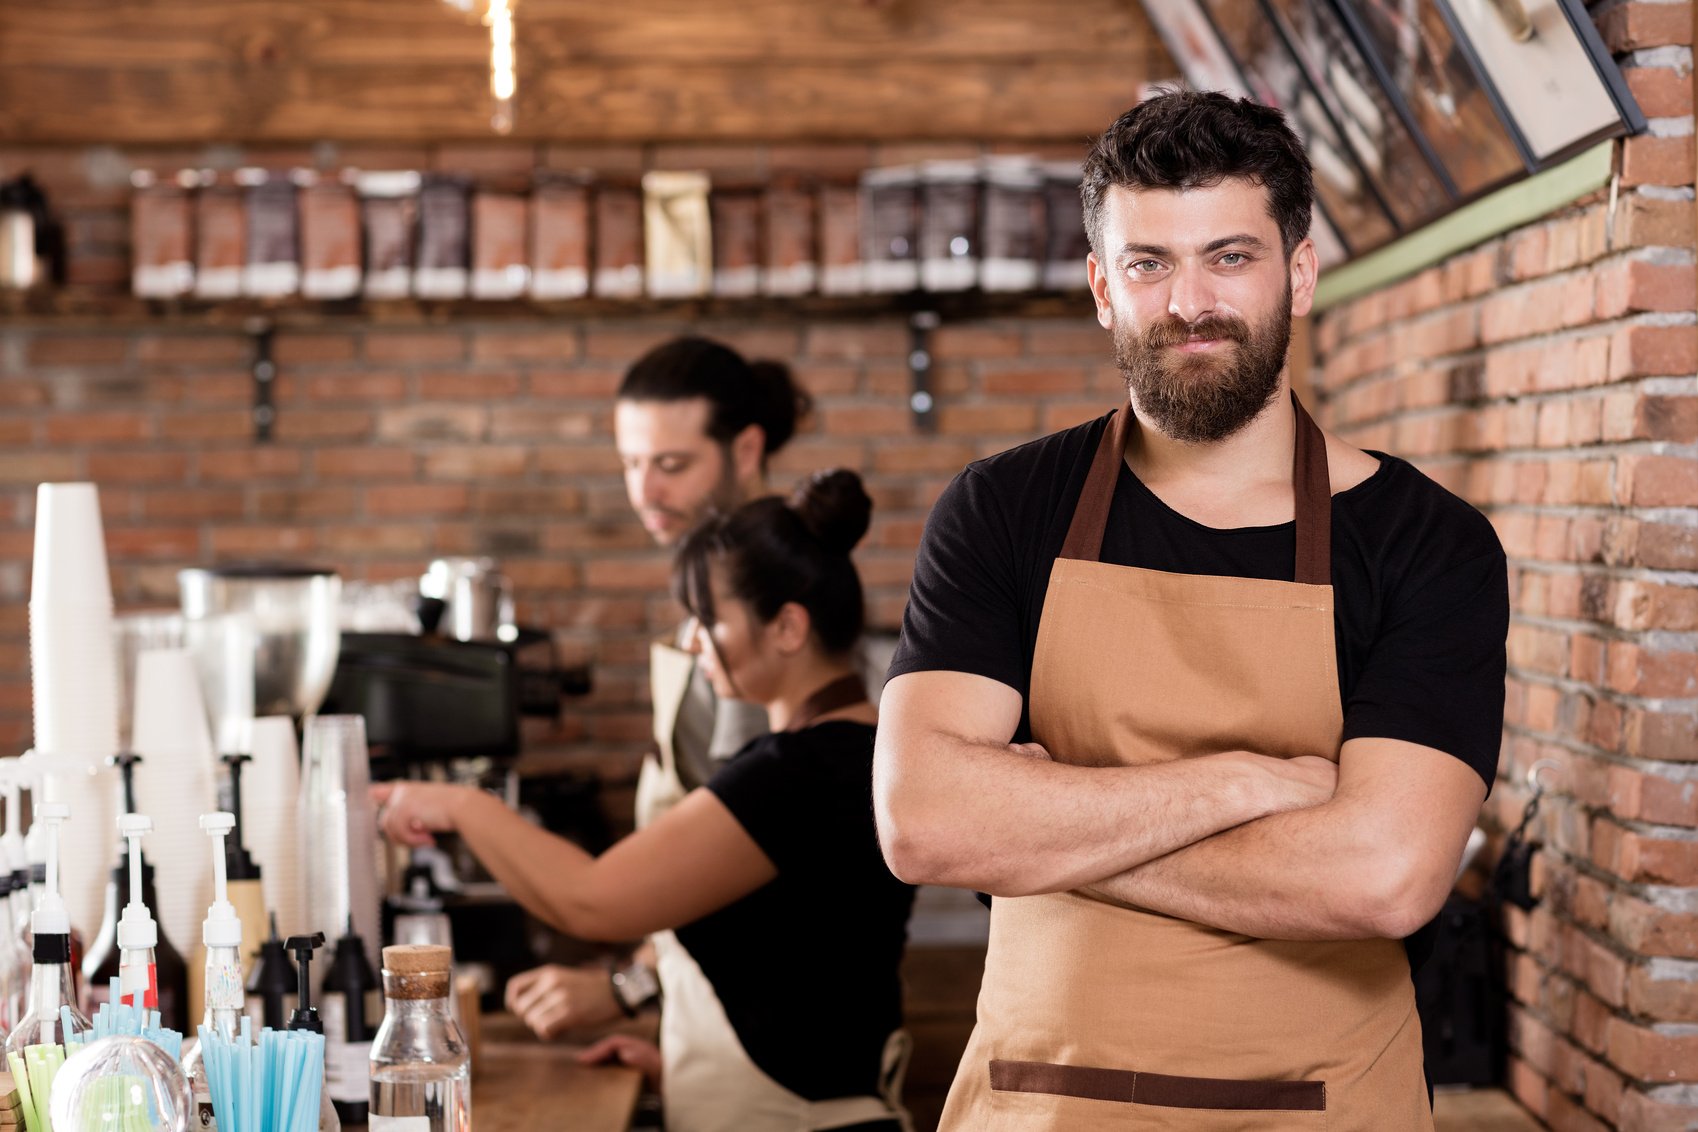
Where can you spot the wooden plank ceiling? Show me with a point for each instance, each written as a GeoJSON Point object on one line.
{"type": "Point", "coordinates": [593, 71]}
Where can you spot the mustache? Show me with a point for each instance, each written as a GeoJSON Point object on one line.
{"type": "Point", "coordinates": [1176, 331]}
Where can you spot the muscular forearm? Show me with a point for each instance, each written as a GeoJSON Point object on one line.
{"type": "Point", "coordinates": [1375, 861]}
{"type": "Point", "coordinates": [984, 817]}
{"type": "Point", "coordinates": [1314, 874]}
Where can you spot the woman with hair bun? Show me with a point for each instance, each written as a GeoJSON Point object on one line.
{"type": "Point", "coordinates": [779, 929]}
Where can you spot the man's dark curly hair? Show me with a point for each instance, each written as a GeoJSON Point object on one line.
{"type": "Point", "coordinates": [1186, 139]}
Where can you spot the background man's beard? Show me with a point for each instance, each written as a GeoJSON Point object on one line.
{"type": "Point", "coordinates": [1203, 398]}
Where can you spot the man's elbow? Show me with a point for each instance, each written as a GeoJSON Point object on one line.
{"type": "Point", "coordinates": [1399, 894]}
{"type": "Point", "coordinates": [911, 852]}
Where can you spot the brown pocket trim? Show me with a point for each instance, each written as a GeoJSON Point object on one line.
{"type": "Point", "coordinates": [1129, 1087]}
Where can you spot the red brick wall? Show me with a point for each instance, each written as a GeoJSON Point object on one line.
{"type": "Point", "coordinates": [1548, 377]}
{"type": "Point", "coordinates": [398, 444]}
{"type": "Point", "coordinates": [404, 433]}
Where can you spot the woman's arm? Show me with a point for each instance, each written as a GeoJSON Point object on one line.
{"type": "Point", "coordinates": [693, 860]}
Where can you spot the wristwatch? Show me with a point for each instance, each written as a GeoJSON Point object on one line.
{"type": "Point", "coordinates": [634, 986]}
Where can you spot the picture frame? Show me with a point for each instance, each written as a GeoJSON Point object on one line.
{"type": "Point", "coordinates": [1409, 108]}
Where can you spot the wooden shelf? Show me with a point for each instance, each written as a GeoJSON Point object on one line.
{"type": "Point", "coordinates": [105, 309]}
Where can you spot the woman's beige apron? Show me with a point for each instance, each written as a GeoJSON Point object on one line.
{"type": "Point", "coordinates": [1097, 1016]}
{"type": "Point", "coordinates": [708, 1081]}
{"type": "Point", "coordinates": [659, 785]}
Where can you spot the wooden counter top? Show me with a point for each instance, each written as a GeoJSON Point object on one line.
{"type": "Point", "coordinates": [523, 1085]}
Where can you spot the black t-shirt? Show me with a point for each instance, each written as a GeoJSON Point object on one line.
{"type": "Point", "coordinates": [1420, 587]}
{"type": "Point", "coordinates": [807, 966]}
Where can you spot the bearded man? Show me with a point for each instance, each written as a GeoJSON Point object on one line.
{"type": "Point", "coordinates": [1204, 697]}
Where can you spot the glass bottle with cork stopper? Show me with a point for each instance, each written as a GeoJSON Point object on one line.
{"type": "Point", "coordinates": [421, 1067]}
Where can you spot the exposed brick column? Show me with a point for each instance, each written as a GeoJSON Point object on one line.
{"type": "Point", "coordinates": [1548, 378]}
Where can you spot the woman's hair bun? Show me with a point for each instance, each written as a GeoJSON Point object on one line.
{"type": "Point", "coordinates": [781, 403]}
{"type": "Point", "coordinates": [834, 507]}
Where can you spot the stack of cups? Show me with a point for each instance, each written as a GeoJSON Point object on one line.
{"type": "Point", "coordinates": [73, 663]}
{"type": "Point", "coordinates": [270, 796]}
{"type": "Point", "coordinates": [176, 782]}
{"type": "Point", "coordinates": [74, 683]}
{"type": "Point", "coordinates": [338, 832]}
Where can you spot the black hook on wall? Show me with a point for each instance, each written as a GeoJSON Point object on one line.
{"type": "Point", "coordinates": [264, 370]}
{"type": "Point", "coordinates": [921, 401]}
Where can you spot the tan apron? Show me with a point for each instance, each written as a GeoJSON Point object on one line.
{"type": "Point", "coordinates": [687, 713]}
{"type": "Point", "coordinates": [659, 786]}
{"type": "Point", "coordinates": [708, 1081]}
{"type": "Point", "coordinates": [1097, 1016]}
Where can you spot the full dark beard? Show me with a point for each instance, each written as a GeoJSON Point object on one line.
{"type": "Point", "coordinates": [1203, 398]}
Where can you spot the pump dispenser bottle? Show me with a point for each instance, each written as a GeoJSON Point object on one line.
{"type": "Point", "coordinates": [105, 955]}
{"type": "Point", "coordinates": [221, 937]}
{"type": "Point", "coordinates": [51, 995]}
{"type": "Point", "coordinates": [305, 1017]}
{"type": "Point", "coordinates": [138, 935]}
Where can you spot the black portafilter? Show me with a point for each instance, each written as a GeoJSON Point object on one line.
{"type": "Point", "coordinates": [305, 1016]}
{"type": "Point", "coordinates": [239, 864]}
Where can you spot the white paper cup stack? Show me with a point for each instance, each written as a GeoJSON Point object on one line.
{"type": "Point", "coordinates": [270, 787]}
{"type": "Point", "coordinates": [338, 831]}
{"type": "Point", "coordinates": [73, 660]}
{"type": "Point", "coordinates": [176, 782]}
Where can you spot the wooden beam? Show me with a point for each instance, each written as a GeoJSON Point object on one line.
{"type": "Point", "coordinates": [193, 71]}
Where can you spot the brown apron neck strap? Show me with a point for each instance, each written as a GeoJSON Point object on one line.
{"type": "Point", "coordinates": [1090, 516]}
{"type": "Point", "coordinates": [1310, 479]}
{"type": "Point", "coordinates": [845, 691]}
{"type": "Point", "coordinates": [1312, 482]}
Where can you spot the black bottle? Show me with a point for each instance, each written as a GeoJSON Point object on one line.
{"type": "Point", "coordinates": [348, 1003]}
{"type": "Point", "coordinates": [305, 1017]}
{"type": "Point", "coordinates": [271, 986]}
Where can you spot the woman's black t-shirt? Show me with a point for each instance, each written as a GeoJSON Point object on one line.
{"type": "Point", "coordinates": [807, 966]}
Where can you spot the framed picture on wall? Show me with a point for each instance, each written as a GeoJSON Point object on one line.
{"type": "Point", "coordinates": [1554, 79]}
{"type": "Point", "coordinates": [1447, 114]}
{"type": "Point", "coordinates": [1347, 201]}
{"type": "Point", "coordinates": [1409, 108]}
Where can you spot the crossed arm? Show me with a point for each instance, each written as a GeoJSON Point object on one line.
{"type": "Point", "coordinates": [693, 860]}
{"type": "Point", "coordinates": [1239, 841]}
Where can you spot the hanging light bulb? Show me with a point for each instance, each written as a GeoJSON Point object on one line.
{"type": "Point", "coordinates": [503, 79]}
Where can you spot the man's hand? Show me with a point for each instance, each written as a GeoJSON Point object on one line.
{"type": "Point", "coordinates": [622, 1049]}
{"type": "Point", "coordinates": [553, 999]}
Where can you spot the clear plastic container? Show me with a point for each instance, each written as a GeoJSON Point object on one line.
{"type": "Point", "coordinates": [421, 1067]}
{"type": "Point", "coordinates": [121, 1082]}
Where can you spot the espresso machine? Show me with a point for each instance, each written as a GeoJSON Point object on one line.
{"type": "Point", "coordinates": [445, 703]}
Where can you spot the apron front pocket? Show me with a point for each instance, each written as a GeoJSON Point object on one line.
{"type": "Point", "coordinates": [1127, 1086]}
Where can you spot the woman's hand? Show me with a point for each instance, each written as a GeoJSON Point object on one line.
{"type": "Point", "coordinates": [622, 1049]}
{"type": "Point", "coordinates": [410, 812]}
{"type": "Point", "coordinates": [554, 999]}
